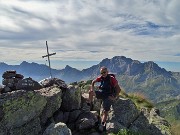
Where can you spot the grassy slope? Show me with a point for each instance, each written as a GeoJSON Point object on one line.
{"type": "Point", "coordinates": [150, 86]}
{"type": "Point", "coordinates": [170, 110]}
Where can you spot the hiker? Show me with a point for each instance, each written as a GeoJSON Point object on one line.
{"type": "Point", "coordinates": [109, 90]}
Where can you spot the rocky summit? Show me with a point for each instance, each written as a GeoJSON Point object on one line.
{"type": "Point", "coordinates": [56, 108]}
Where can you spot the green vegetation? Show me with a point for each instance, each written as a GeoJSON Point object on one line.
{"type": "Point", "coordinates": [127, 132]}
{"type": "Point", "coordinates": [140, 100]}
{"type": "Point", "coordinates": [170, 110]}
{"type": "Point", "coordinates": [151, 84]}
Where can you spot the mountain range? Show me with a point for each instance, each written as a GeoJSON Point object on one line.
{"type": "Point", "coordinates": [146, 78]}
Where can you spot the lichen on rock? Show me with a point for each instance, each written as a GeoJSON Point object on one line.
{"type": "Point", "coordinates": [22, 106]}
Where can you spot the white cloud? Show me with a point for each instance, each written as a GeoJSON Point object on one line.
{"type": "Point", "coordinates": [90, 30]}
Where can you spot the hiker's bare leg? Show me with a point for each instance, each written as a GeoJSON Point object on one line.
{"type": "Point", "coordinates": [104, 116]}
{"type": "Point", "coordinates": [91, 94]}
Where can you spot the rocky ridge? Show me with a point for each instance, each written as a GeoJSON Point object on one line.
{"type": "Point", "coordinates": [58, 108]}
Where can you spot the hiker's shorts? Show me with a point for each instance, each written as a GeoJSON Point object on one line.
{"type": "Point", "coordinates": [106, 101]}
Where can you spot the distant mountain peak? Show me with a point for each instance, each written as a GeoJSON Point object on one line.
{"type": "Point", "coordinates": [119, 57]}
{"type": "Point", "coordinates": [2, 63]}
{"type": "Point", "coordinates": [68, 67]}
{"type": "Point", "coordinates": [122, 58]}
{"type": "Point", "coordinates": [24, 63]}
{"type": "Point", "coordinates": [152, 65]}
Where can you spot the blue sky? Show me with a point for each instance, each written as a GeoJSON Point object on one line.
{"type": "Point", "coordinates": [83, 32]}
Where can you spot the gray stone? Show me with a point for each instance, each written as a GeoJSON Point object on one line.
{"type": "Point", "coordinates": [71, 99]}
{"type": "Point", "coordinates": [86, 120]}
{"type": "Point", "coordinates": [53, 81]}
{"type": "Point", "coordinates": [53, 96]}
{"type": "Point", "coordinates": [74, 115]}
{"type": "Point", "coordinates": [160, 123]}
{"type": "Point", "coordinates": [124, 111]}
{"type": "Point", "coordinates": [57, 129]}
{"type": "Point", "coordinates": [20, 107]}
{"type": "Point", "coordinates": [28, 84]}
{"type": "Point", "coordinates": [9, 74]}
{"type": "Point", "coordinates": [86, 124]}
{"type": "Point", "coordinates": [31, 128]}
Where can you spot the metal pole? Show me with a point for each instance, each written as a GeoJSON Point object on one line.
{"type": "Point", "coordinates": [49, 60]}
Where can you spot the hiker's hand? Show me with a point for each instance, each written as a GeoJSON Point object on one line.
{"type": "Point", "coordinates": [91, 90]}
{"type": "Point", "coordinates": [112, 98]}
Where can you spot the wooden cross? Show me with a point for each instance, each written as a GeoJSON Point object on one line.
{"type": "Point", "coordinates": [48, 58]}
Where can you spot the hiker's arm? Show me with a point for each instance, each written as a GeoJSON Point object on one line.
{"type": "Point", "coordinates": [92, 84]}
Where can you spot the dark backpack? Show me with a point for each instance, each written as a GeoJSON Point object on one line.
{"type": "Point", "coordinates": [106, 84]}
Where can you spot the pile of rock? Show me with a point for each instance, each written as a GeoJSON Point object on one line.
{"type": "Point", "coordinates": [13, 81]}
{"type": "Point", "coordinates": [10, 80]}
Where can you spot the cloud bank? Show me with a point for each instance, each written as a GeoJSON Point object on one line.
{"type": "Point", "coordinates": [90, 30]}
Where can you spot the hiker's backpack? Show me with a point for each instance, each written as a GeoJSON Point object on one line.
{"type": "Point", "coordinates": [106, 84]}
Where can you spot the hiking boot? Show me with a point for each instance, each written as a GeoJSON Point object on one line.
{"type": "Point", "coordinates": [102, 127]}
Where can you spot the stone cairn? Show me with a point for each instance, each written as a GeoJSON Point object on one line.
{"type": "Point", "coordinates": [13, 81]}
{"type": "Point", "coordinates": [10, 80]}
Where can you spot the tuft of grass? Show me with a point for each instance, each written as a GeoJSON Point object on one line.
{"type": "Point", "coordinates": [140, 100]}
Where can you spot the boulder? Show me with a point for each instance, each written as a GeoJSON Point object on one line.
{"type": "Point", "coordinates": [53, 96]}
{"type": "Point", "coordinates": [57, 129]}
{"type": "Point", "coordinates": [87, 120]}
{"type": "Point", "coordinates": [142, 125]}
{"type": "Point", "coordinates": [31, 128]}
{"type": "Point", "coordinates": [71, 98]}
{"type": "Point", "coordinates": [20, 107]}
{"type": "Point", "coordinates": [125, 115]}
{"type": "Point", "coordinates": [124, 112]}
{"type": "Point", "coordinates": [53, 81]}
{"type": "Point", "coordinates": [27, 112]}
{"type": "Point", "coordinates": [28, 84]}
